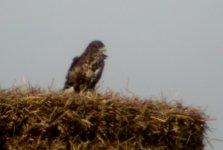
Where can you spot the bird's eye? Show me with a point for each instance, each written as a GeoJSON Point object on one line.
{"type": "Point", "coordinates": [94, 46]}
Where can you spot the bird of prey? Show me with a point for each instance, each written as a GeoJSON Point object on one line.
{"type": "Point", "coordinates": [86, 70]}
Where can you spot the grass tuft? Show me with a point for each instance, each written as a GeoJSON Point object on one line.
{"type": "Point", "coordinates": [36, 119]}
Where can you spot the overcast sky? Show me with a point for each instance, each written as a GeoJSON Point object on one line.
{"type": "Point", "coordinates": [172, 47]}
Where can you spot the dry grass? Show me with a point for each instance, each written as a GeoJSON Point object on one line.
{"type": "Point", "coordinates": [42, 120]}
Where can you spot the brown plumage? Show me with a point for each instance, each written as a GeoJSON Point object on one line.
{"type": "Point", "coordinates": [86, 70]}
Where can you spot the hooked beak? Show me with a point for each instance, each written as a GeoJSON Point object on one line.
{"type": "Point", "coordinates": [102, 49]}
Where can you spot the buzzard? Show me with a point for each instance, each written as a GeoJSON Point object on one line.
{"type": "Point", "coordinates": [86, 70]}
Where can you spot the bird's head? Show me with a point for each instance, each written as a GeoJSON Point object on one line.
{"type": "Point", "coordinates": [96, 47]}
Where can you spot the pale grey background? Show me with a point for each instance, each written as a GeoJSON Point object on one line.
{"type": "Point", "coordinates": [173, 47]}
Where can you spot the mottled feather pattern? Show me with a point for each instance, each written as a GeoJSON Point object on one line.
{"type": "Point", "coordinates": [86, 70]}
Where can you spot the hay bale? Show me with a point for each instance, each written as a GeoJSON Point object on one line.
{"type": "Point", "coordinates": [53, 120]}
